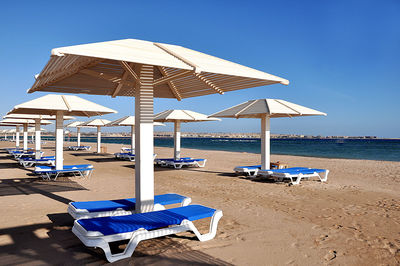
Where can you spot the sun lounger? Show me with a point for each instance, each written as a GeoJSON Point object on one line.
{"type": "Point", "coordinates": [295, 174]}
{"type": "Point", "coordinates": [81, 170]}
{"type": "Point", "coordinates": [162, 161]}
{"type": "Point", "coordinates": [103, 208]}
{"type": "Point", "coordinates": [79, 148]}
{"type": "Point", "coordinates": [250, 170]}
{"type": "Point", "coordinates": [99, 232]}
{"type": "Point", "coordinates": [178, 164]}
{"type": "Point", "coordinates": [18, 155]}
{"type": "Point", "coordinates": [124, 149]}
{"type": "Point", "coordinates": [30, 161]}
{"type": "Point", "coordinates": [125, 156]}
{"type": "Point", "coordinates": [268, 172]}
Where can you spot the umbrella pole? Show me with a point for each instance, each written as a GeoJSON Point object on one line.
{"type": "Point", "coordinates": [59, 140]}
{"type": "Point", "coordinates": [37, 138]}
{"type": "Point", "coordinates": [132, 138]}
{"type": "Point", "coordinates": [265, 142]}
{"type": "Point", "coordinates": [25, 137]}
{"type": "Point", "coordinates": [144, 163]}
{"type": "Point", "coordinates": [177, 140]}
{"type": "Point", "coordinates": [17, 137]}
{"type": "Point", "coordinates": [98, 139]}
{"type": "Point", "coordinates": [78, 138]}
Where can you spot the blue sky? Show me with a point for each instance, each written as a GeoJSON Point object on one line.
{"type": "Point", "coordinates": [341, 57]}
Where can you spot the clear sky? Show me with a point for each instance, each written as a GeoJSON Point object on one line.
{"type": "Point", "coordinates": [341, 57]}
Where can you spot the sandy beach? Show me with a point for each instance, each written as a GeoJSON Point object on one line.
{"type": "Point", "coordinates": [353, 219]}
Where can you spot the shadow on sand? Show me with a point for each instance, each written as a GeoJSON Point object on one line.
{"type": "Point", "coordinates": [54, 243]}
{"type": "Point", "coordinates": [27, 186]}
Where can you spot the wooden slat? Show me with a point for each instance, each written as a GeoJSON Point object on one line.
{"type": "Point", "coordinates": [208, 83]}
{"type": "Point", "coordinates": [167, 78]}
{"type": "Point", "coordinates": [186, 61]}
{"type": "Point", "coordinates": [171, 85]}
{"type": "Point", "coordinates": [128, 68]}
{"type": "Point", "coordinates": [121, 84]}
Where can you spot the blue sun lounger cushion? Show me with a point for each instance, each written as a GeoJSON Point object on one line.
{"type": "Point", "coordinates": [102, 208]}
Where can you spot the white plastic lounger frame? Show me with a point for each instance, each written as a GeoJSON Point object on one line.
{"type": "Point", "coordinates": [247, 171]}
{"type": "Point", "coordinates": [31, 163]}
{"type": "Point", "coordinates": [179, 165]}
{"type": "Point", "coordinates": [47, 175]}
{"type": "Point", "coordinates": [295, 178]}
{"type": "Point", "coordinates": [85, 214]}
{"type": "Point", "coordinates": [97, 239]}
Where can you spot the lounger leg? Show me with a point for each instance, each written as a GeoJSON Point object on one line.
{"type": "Point", "coordinates": [213, 227]}
{"type": "Point", "coordinates": [325, 178]}
{"type": "Point", "coordinates": [297, 180]}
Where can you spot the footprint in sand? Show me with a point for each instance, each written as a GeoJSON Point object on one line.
{"type": "Point", "coordinates": [331, 255]}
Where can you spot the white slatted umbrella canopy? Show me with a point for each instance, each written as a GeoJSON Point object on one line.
{"type": "Point", "coordinates": [144, 70]}
{"type": "Point", "coordinates": [37, 129]}
{"type": "Point", "coordinates": [129, 121]}
{"type": "Point", "coordinates": [265, 109]}
{"type": "Point", "coordinates": [60, 106]}
{"type": "Point", "coordinates": [25, 123]}
{"type": "Point", "coordinates": [177, 117]}
{"type": "Point", "coordinates": [97, 123]}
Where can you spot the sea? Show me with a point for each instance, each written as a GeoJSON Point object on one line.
{"type": "Point", "coordinates": [366, 149]}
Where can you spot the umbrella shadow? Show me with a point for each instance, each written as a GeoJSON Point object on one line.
{"type": "Point", "coordinates": [8, 165]}
{"type": "Point", "coordinates": [54, 243]}
{"type": "Point", "coordinates": [103, 160]}
{"type": "Point", "coordinates": [28, 186]}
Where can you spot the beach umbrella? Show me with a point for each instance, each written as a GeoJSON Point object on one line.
{"type": "Point", "coordinates": [25, 123]}
{"type": "Point", "coordinates": [76, 124]}
{"type": "Point", "coordinates": [60, 105]}
{"type": "Point", "coordinates": [17, 131]}
{"type": "Point", "coordinates": [98, 123]}
{"type": "Point", "coordinates": [37, 130]}
{"type": "Point", "coordinates": [144, 70]}
{"type": "Point", "coordinates": [129, 121]}
{"type": "Point", "coordinates": [265, 109]}
{"type": "Point", "coordinates": [177, 117]}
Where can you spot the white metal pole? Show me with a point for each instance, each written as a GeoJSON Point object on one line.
{"type": "Point", "coordinates": [25, 137]}
{"type": "Point", "coordinates": [144, 164]}
{"type": "Point", "coordinates": [265, 142]}
{"type": "Point", "coordinates": [78, 138]}
{"type": "Point", "coordinates": [98, 139]}
{"type": "Point", "coordinates": [177, 140]}
{"type": "Point", "coordinates": [17, 137]}
{"type": "Point", "coordinates": [133, 138]}
{"type": "Point", "coordinates": [37, 138]}
{"type": "Point", "coordinates": [59, 140]}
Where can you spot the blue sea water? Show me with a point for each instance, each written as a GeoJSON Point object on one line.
{"type": "Point", "coordinates": [369, 149]}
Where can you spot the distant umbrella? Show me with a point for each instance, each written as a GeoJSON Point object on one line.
{"type": "Point", "coordinates": [266, 109]}
{"type": "Point", "coordinates": [178, 117]}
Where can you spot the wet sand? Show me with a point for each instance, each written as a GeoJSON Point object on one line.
{"type": "Point", "coordinates": [353, 219]}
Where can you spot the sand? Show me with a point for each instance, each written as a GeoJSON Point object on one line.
{"type": "Point", "coordinates": [353, 219]}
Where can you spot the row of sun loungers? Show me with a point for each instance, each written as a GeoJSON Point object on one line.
{"type": "Point", "coordinates": [294, 174]}
{"type": "Point", "coordinates": [115, 220]}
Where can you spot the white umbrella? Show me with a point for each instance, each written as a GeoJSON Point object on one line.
{"type": "Point", "coordinates": [78, 130]}
{"type": "Point", "coordinates": [98, 123]}
{"type": "Point", "coordinates": [129, 121]}
{"type": "Point", "coordinates": [60, 105]}
{"type": "Point", "coordinates": [266, 109]}
{"type": "Point", "coordinates": [144, 70]}
{"type": "Point", "coordinates": [37, 129]}
{"type": "Point", "coordinates": [178, 117]}
{"type": "Point", "coordinates": [25, 123]}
